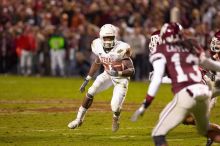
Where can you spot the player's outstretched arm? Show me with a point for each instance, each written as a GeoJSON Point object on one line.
{"type": "Point", "coordinates": [93, 69]}
{"type": "Point", "coordinates": [159, 69]}
{"type": "Point", "coordinates": [209, 64]}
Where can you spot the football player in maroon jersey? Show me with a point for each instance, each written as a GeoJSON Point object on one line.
{"type": "Point", "coordinates": [180, 58]}
{"type": "Point", "coordinates": [207, 75]}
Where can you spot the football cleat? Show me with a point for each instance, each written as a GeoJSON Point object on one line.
{"type": "Point", "coordinates": [139, 112]}
{"type": "Point", "coordinates": [115, 124]}
{"type": "Point", "coordinates": [74, 124]}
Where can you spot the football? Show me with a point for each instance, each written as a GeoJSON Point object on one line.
{"type": "Point", "coordinates": [118, 66]}
{"type": "Point", "coordinates": [122, 65]}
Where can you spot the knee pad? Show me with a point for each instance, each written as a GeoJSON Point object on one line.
{"type": "Point", "coordinates": [87, 101]}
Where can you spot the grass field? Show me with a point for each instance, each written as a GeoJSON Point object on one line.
{"type": "Point", "coordinates": [35, 112]}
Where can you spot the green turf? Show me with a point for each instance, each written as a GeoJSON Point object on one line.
{"type": "Point", "coordinates": [31, 128]}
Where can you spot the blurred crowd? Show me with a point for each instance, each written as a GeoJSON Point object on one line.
{"type": "Point", "coordinates": [53, 37]}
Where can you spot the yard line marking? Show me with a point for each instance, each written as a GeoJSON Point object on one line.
{"type": "Point", "coordinates": [126, 136]}
{"type": "Point", "coordinates": [3, 127]}
{"type": "Point", "coordinates": [130, 128]}
{"type": "Point", "coordinates": [176, 139]}
{"type": "Point", "coordinates": [44, 130]}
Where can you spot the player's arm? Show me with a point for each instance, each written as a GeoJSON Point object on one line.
{"type": "Point", "coordinates": [93, 69]}
{"type": "Point", "coordinates": [159, 69]}
{"type": "Point", "coordinates": [209, 63]}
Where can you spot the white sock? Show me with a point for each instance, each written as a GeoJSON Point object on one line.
{"type": "Point", "coordinates": [81, 113]}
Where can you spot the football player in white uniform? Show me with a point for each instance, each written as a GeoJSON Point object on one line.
{"type": "Point", "coordinates": [114, 55]}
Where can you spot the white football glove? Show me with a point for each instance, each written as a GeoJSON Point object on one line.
{"type": "Point", "coordinates": [139, 112]}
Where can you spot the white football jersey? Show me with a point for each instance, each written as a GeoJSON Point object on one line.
{"type": "Point", "coordinates": [112, 57]}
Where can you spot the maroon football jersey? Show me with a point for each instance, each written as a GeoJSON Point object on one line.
{"type": "Point", "coordinates": [181, 65]}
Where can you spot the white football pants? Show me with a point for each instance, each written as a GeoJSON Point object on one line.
{"type": "Point", "coordinates": [104, 81]}
{"type": "Point", "coordinates": [183, 104]}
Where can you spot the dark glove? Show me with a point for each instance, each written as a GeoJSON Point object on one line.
{"type": "Point", "coordinates": [82, 88]}
{"type": "Point", "coordinates": [112, 72]}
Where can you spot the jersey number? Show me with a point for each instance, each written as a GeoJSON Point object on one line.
{"type": "Point", "coordinates": [181, 76]}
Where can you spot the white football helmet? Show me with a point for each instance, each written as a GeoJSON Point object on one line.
{"type": "Point", "coordinates": [108, 30]}
{"type": "Point", "coordinates": [215, 43]}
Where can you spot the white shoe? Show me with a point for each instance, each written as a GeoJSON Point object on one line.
{"type": "Point", "coordinates": [139, 112]}
{"type": "Point", "coordinates": [115, 124]}
{"type": "Point", "coordinates": [74, 124]}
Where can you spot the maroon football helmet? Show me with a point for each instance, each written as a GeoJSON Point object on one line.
{"type": "Point", "coordinates": [171, 32]}
{"type": "Point", "coordinates": [215, 43]}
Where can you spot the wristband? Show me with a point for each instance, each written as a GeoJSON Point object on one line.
{"type": "Point", "coordinates": [88, 77]}
{"type": "Point", "coordinates": [147, 101]}
{"type": "Point", "coordinates": [149, 98]}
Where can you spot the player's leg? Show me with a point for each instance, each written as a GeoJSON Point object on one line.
{"type": "Point", "coordinates": [22, 61]}
{"type": "Point", "coordinates": [119, 93]}
{"type": "Point", "coordinates": [190, 120]}
{"type": "Point", "coordinates": [29, 62]}
{"type": "Point", "coordinates": [201, 119]}
{"type": "Point", "coordinates": [200, 112]}
{"type": "Point", "coordinates": [204, 128]}
{"type": "Point", "coordinates": [101, 83]}
{"type": "Point", "coordinates": [61, 62]}
{"type": "Point", "coordinates": [172, 115]}
{"type": "Point", "coordinates": [53, 62]}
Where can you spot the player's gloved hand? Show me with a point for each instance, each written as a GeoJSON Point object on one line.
{"type": "Point", "coordinates": [83, 86]}
{"type": "Point", "coordinates": [139, 112]}
{"type": "Point", "coordinates": [112, 72]}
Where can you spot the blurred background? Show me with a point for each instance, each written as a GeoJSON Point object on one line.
{"type": "Point", "coordinates": [53, 37]}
